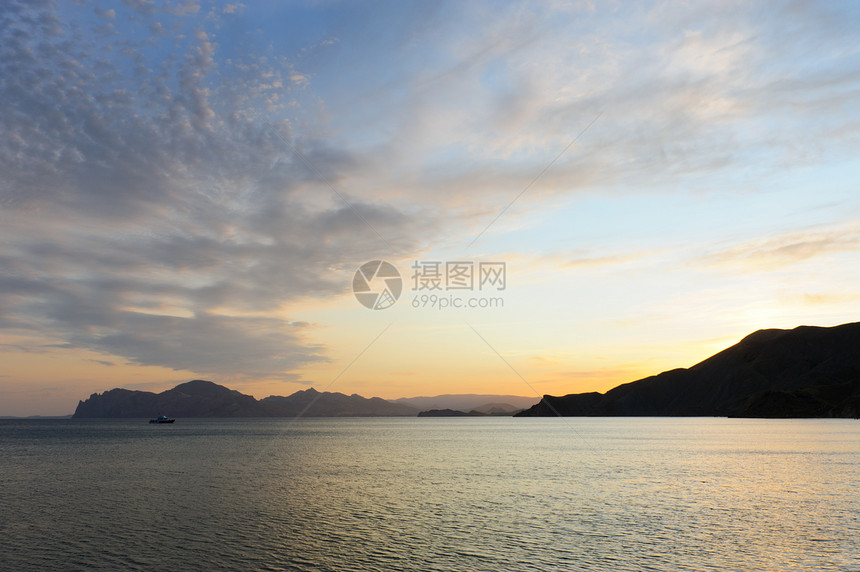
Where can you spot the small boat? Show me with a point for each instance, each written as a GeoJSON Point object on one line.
{"type": "Point", "coordinates": [162, 419]}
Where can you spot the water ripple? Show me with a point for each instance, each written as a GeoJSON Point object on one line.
{"type": "Point", "coordinates": [407, 494]}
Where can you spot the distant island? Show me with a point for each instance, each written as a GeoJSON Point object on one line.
{"type": "Point", "coordinates": [490, 404]}
{"type": "Point", "coordinates": [201, 398]}
{"type": "Point", "coordinates": [804, 372]}
{"type": "Point", "coordinates": [490, 409]}
{"type": "Point", "coordinates": [443, 413]}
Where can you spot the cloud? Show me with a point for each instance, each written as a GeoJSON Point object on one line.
{"type": "Point", "coordinates": [208, 344]}
{"type": "Point", "coordinates": [784, 250]}
{"type": "Point", "coordinates": [708, 93]}
{"type": "Point", "coordinates": [105, 14]}
{"type": "Point", "coordinates": [141, 6]}
{"type": "Point", "coordinates": [233, 8]}
{"type": "Point", "coordinates": [182, 7]}
{"type": "Point", "coordinates": [608, 260]}
{"type": "Point", "coordinates": [821, 299]}
{"type": "Point", "coordinates": [169, 223]}
{"type": "Point", "coordinates": [167, 185]}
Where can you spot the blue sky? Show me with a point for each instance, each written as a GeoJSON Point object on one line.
{"type": "Point", "coordinates": [188, 188]}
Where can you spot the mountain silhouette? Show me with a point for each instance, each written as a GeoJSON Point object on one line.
{"type": "Point", "coordinates": [334, 405]}
{"type": "Point", "coordinates": [200, 398]}
{"type": "Point", "coordinates": [804, 372]}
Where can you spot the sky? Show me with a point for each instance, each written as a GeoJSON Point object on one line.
{"type": "Point", "coordinates": [188, 188]}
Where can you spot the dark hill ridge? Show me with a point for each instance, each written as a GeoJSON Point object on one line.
{"type": "Point", "coordinates": [805, 372]}
{"type": "Point", "coordinates": [201, 398]}
{"type": "Point", "coordinates": [443, 413]}
{"type": "Point", "coordinates": [334, 405]}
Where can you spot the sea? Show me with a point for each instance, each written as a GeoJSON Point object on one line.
{"type": "Point", "coordinates": [477, 493]}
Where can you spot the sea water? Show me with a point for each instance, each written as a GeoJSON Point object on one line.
{"type": "Point", "coordinates": [430, 494]}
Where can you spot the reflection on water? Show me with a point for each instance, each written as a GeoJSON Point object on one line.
{"type": "Point", "coordinates": [431, 494]}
